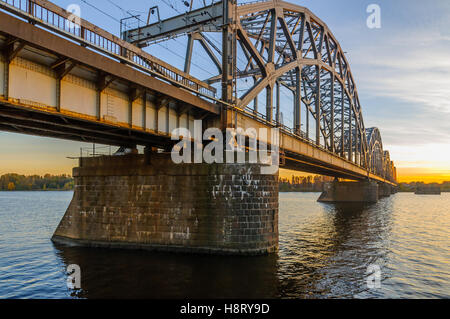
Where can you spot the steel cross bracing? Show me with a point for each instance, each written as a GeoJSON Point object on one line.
{"type": "Point", "coordinates": [273, 44]}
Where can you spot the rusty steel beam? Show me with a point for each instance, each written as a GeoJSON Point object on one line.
{"type": "Point", "coordinates": [68, 126]}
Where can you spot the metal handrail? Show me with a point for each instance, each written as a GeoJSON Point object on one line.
{"type": "Point", "coordinates": [55, 18]}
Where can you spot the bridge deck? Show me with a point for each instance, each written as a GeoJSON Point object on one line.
{"type": "Point", "coordinates": [52, 86]}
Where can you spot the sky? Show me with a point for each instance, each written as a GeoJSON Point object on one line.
{"type": "Point", "coordinates": [402, 73]}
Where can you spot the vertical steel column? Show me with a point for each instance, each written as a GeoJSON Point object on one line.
{"type": "Point", "coordinates": [273, 36]}
{"type": "Point", "coordinates": [144, 109]}
{"type": "Point", "coordinates": [342, 121]}
{"type": "Point", "coordinates": [98, 99]}
{"type": "Point", "coordinates": [255, 101]}
{"type": "Point", "coordinates": [168, 118]}
{"type": "Point", "coordinates": [332, 115]}
{"type": "Point", "coordinates": [10, 52]}
{"type": "Point", "coordinates": [307, 119]}
{"type": "Point", "coordinates": [58, 94]}
{"type": "Point", "coordinates": [227, 51]}
{"type": "Point", "coordinates": [269, 103]}
{"type": "Point", "coordinates": [318, 113]}
{"type": "Point", "coordinates": [350, 128]}
{"type": "Point", "coordinates": [130, 112]}
{"type": "Point", "coordinates": [298, 101]}
{"type": "Point", "coordinates": [6, 77]}
{"type": "Point", "coordinates": [362, 151]}
{"type": "Point", "coordinates": [228, 44]}
{"type": "Point", "coordinates": [188, 59]}
{"type": "Point", "coordinates": [278, 106]}
{"type": "Point", "coordinates": [157, 108]}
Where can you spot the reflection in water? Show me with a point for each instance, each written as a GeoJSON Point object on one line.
{"type": "Point", "coordinates": [143, 274]}
{"type": "Point", "coordinates": [330, 251]}
{"type": "Point", "coordinates": [328, 256]}
{"type": "Point", "coordinates": [324, 253]}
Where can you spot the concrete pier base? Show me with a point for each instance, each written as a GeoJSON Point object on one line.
{"type": "Point", "coordinates": [362, 192]}
{"type": "Point", "coordinates": [148, 202]}
{"type": "Point", "coordinates": [384, 190]}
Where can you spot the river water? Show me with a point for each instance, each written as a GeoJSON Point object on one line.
{"type": "Point", "coordinates": [325, 252]}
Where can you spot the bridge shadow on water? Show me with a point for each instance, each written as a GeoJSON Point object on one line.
{"type": "Point", "coordinates": [144, 274]}
{"type": "Point", "coordinates": [323, 253]}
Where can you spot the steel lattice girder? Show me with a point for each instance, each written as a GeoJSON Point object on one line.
{"type": "Point", "coordinates": [279, 43]}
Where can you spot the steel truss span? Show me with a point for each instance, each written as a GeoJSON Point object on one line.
{"type": "Point", "coordinates": [278, 47]}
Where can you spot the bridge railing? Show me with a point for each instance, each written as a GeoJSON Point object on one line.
{"type": "Point", "coordinates": [283, 128]}
{"type": "Point", "coordinates": [95, 151]}
{"type": "Point", "coordinates": [50, 16]}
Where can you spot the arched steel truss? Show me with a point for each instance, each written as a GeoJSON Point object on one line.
{"type": "Point", "coordinates": [276, 44]}
{"type": "Point", "coordinates": [376, 154]}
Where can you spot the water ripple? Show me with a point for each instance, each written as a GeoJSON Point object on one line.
{"type": "Point", "coordinates": [324, 253]}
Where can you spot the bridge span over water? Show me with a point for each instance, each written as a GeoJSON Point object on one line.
{"type": "Point", "coordinates": [64, 77]}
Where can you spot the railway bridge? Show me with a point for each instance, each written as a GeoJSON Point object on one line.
{"type": "Point", "coordinates": [277, 70]}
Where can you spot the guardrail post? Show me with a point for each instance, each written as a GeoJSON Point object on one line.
{"type": "Point", "coordinates": [31, 4]}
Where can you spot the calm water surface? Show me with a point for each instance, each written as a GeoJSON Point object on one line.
{"type": "Point", "coordinates": [324, 253]}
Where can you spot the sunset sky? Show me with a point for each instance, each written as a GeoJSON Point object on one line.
{"type": "Point", "coordinates": [402, 72]}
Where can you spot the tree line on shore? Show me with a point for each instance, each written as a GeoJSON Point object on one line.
{"type": "Point", "coordinates": [304, 183]}
{"type": "Point", "coordinates": [16, 182]}
{"type": "Point", "coordinates": [316, 184]}
{"type": "Point", "coordinates": [411, 187]}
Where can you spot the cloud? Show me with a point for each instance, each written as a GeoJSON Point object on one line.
{"type": "Point", "coordinates": [404, 86]}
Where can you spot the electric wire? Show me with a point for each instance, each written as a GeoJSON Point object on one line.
{"type": "Point", "coordinates": [126, 11]}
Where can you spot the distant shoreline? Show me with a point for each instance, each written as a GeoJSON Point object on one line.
{"type": "Point", "coordinates": [71, 190]}
{"type": "Point", "coordinates": [37, 190]}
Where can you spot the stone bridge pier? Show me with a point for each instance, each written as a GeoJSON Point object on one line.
{"type": "Point", "coordinates": [341, 192]}
{"type": "Point", "coordinates": [384, 190]}
{"type": "Point", "coordinates": [148, 202]}
{"type": "Point", "coordinates": [362, 191]}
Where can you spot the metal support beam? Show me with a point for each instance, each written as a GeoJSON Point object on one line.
{"type": "Point", "coordinates": [228, 58]}
{"type": "Point", "coordinates": [332, 143]}
{"type": "Point", "coordinates": [228, 41]}
{"type": "Point", "coordinates": [269, 103]}
{"type": "Point", "coordinates": [278, 106]}
{"type": "Point", "coordinates": [10, 51]}
{"type": "Point", "coordinates": [350, 129]}
{"type": "Point", "coordinates": [318, 105]}
{"type": "Point", "coordinates": [204, 19]}
{"type": "Point", "coordinates": [342, 122]}
{"type": "Point", "coordinates": [307, 120]}
{"type": "Point", "coordinates": [273, 36]}
{"type": "Point", "coordinates": [159, 104]}
{"type": "Point", "coordinates": [62, 69]}
{"type": "Point", "coordinates": [144, 109]}
{"type": "Point", "coordinates": [134, 94]}
{"type": "Point", "coordinates": [103, 82]}
{"type": "Point", "coordinates": [188, 59]}
{"type": "Point", "coordinates": [298, 101]}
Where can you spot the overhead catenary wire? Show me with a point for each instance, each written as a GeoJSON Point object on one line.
{"type": "Point", "coordinates": [129, 13]}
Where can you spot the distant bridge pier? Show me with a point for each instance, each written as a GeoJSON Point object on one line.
{"type": "Point", "coordinates": [148, 202]}
{"type": "Point", "coordinates": [384, 190]}
{"type": "Point", "coordinates": [340, 192]}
